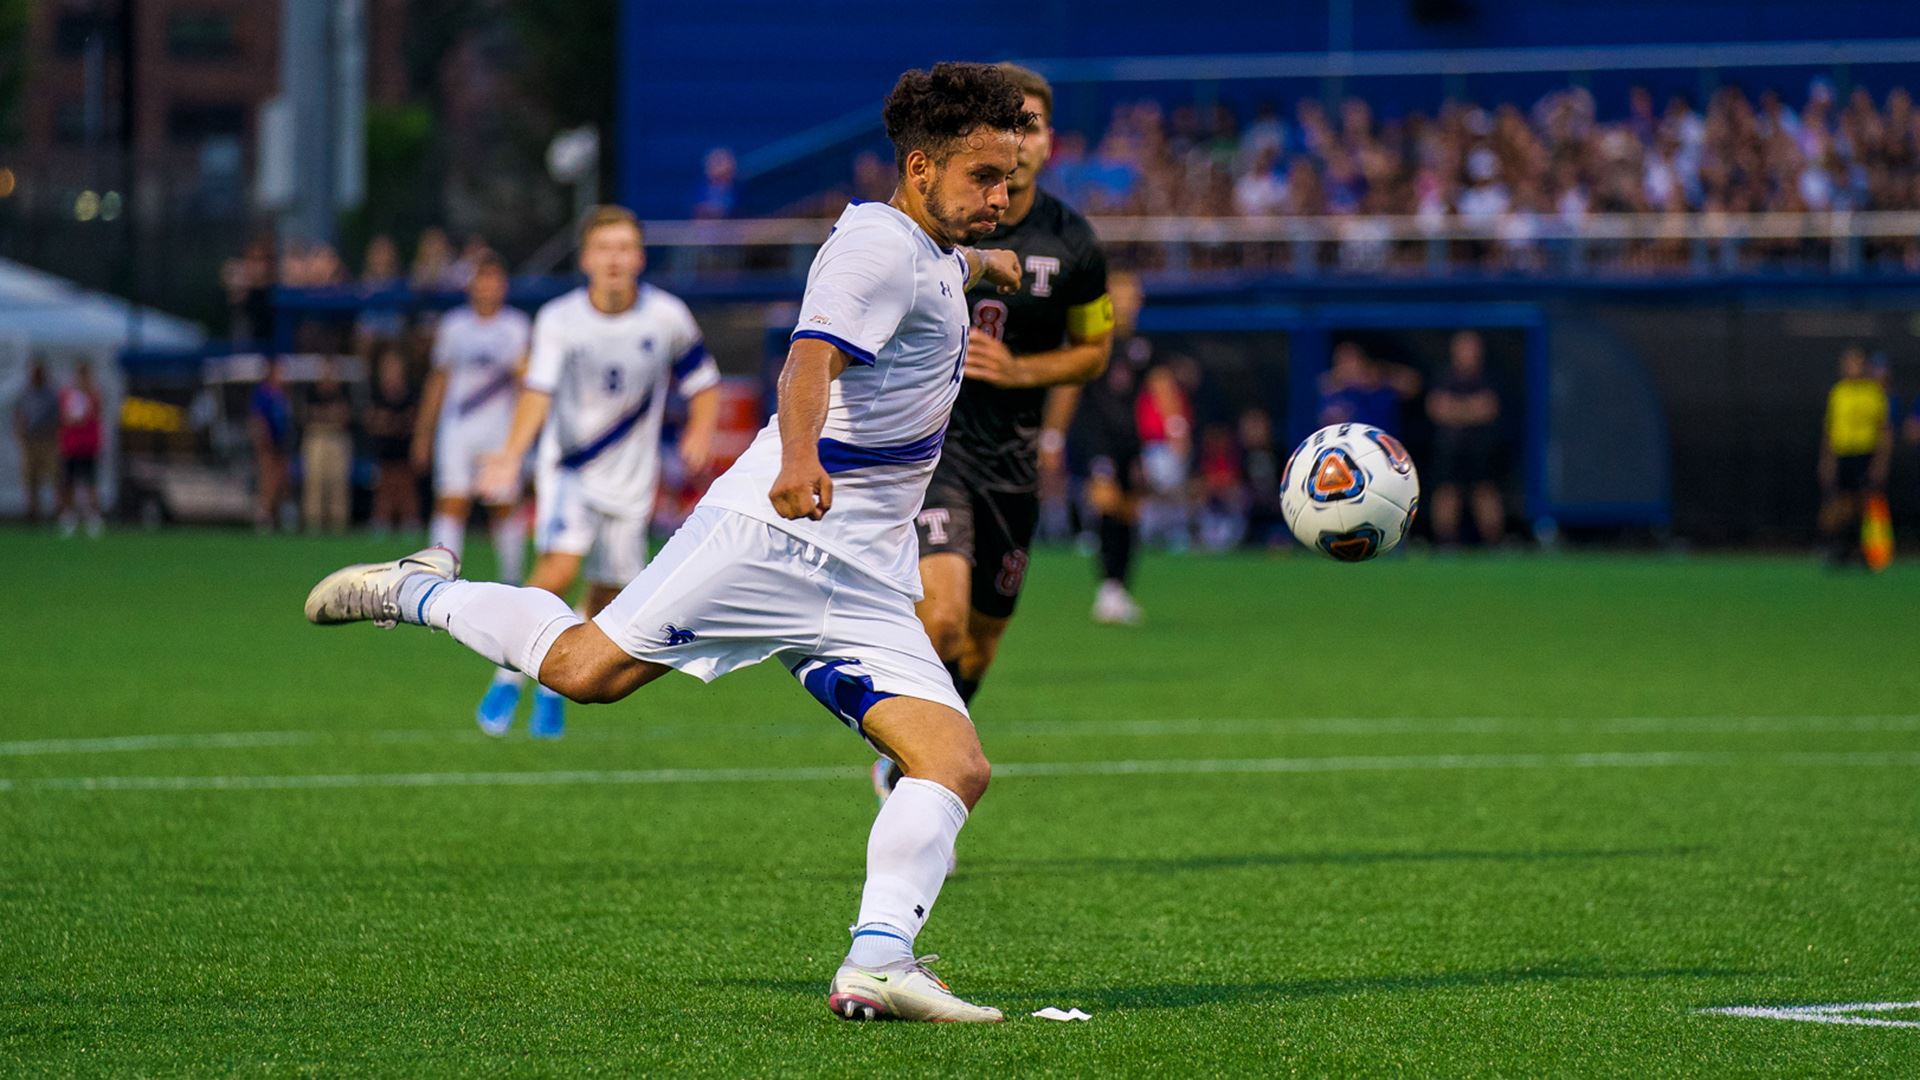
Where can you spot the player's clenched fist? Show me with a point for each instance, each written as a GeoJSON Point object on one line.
{"type": "Point", "coordinates": [802, 491]}
{"type": "Point", "coordinates": [1002, 268]}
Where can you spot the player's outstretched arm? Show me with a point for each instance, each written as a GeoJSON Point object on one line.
{"type": "Point", "coordinates": [1000, 267]}
{"type": "Point", "coordinates": [989, 361]}
{"type": "Point", "coordinates": [500, 470]}
{"type": "Point", "coordinates": [803, 489]}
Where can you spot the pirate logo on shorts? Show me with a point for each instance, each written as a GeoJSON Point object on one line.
{"type": "Point", "coordinates": [678, 635]}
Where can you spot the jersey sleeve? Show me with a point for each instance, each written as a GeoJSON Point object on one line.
{"type": "Point", "coordinates": [1089, 308]}
{"type": "Point", "coordinates": [693, 367]}
{"type": "Point", "coordinates": [545, 353]}
{"type": "Point", "coordinates": [860, 290]}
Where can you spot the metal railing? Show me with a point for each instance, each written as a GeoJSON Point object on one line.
{"type": "Point", "coordinates": [1670, 244]}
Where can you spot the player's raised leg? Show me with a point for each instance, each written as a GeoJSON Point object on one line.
{"type": "Point", "coordinates": [909, 852]}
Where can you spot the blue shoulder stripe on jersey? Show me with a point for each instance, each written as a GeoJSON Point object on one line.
{"type": "Point", "coordinates": [695, 355]}
{"type": "Point", "coordinates": [839, 457]}
{"type": "Point", "coordinates": [580, 455]}
{"type": "Point", "coordinates": [496, 386]}
{"type": "Point", "coordinates": [837, 342]}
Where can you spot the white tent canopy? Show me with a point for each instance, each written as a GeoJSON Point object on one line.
{"type": "Point", "coordinates": [43, 313]}
{"type": "Point", "coordinates": [51, 319]}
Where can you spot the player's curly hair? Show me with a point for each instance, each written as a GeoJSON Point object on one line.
{"type": "Point", "coordinates": [931, 111]}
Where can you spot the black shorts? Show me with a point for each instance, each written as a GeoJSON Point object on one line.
{"type": "Point", "coordinates": [82, 470]}
{"type": "Point", "coordinates": [993, 530]}
{"type": "Point", "coordinates": [1463, 456]}
{"type": "Point", "coordinates": [1850, 472]}
{"type": "Point", "coordinates": [1120, 464]}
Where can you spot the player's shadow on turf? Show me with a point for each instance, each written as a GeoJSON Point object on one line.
{"type": "Point", "coordinates": [1189, 995]}
{"type": "Point", "coordinates": [1244, 860]}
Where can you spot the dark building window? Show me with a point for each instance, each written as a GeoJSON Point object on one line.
{"type": "Point", "coordinates": [201, 35]}
{"type": "Point", "coordinates": [71, 31]}
{"type": "Point", "coordinates": [195, 123]}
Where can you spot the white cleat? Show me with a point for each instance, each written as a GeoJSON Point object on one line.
{"type": "Point", "coordinates": [903, 991]}
{"type": "Point", "coordinates": [370, 592]}
{"type": "Point", "coordinates": [1114, 606]}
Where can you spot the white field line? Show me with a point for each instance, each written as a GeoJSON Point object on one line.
{"type": "Point", "coordinates": [1825, 1014]}
{"type": "Point", "coordinates": [1459, 725]}
{"type": "Point", "coordinates": [1148, 767]}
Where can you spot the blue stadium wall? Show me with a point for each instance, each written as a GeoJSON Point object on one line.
{"type": "Point", "coordinates": [746, 73]}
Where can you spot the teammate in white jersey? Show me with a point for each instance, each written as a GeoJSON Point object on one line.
{"type": "Point", "coordinates": [478, 350]}
{"type": "Point", "coordinates": [804, 550]}
{"type": "Point", "coordinates": [604, 358]}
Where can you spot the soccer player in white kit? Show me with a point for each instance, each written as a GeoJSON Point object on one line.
{"type": "Point", "coordinates": [804, 550]}
{"type": "Point", "coordinates": [464, 412]}
{"type": "Point", "coordinates": [604, 358]}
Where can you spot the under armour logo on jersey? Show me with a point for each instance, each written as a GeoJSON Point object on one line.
{"type": "Point", "coordinates": [945, 290]}
{"type": "Point", "coordinates": [1042, 267]}
{"type": "Point", "coordinates": [919, 911]}
{"type": "Point", "coordinates": [678, 636]}
{"type": "Point", "coordinates": [646, 344]}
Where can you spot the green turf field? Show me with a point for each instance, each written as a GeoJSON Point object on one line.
{"type": "Point", "coordinates": [1513, 816]}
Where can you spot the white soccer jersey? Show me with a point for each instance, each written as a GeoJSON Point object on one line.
{"type": "Point", "coordinates": [881, 290]}
{"type": "Point", "coordinates": [480, 357]}
{"type": "Point", "coordinates": [609, 376]}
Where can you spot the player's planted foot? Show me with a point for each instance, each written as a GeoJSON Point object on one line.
{"type": "Point", "coordinates": [905, 990]}
{"type": "Point", "coordinates": [370, 592]}
{"type": "Point", "coordinates": [495, 714]}
{"type": "Point", "coordinates": [1114, 606]}
{"type": "Point", "coordinates": [549, 719]}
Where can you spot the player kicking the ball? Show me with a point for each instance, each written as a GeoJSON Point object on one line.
{"type": "Point", "coordinates": [804, 550]}
{"type": "Point", "coordinates": [603, 359]}
{"type": "Point", "coordinates": [1027, 352]}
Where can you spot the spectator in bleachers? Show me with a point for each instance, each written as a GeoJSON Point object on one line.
{"type": "Point", "coordinates": [82, 436]}
{"type": "Point", "coordinates": [459, 274]}
{"type": "Point", "coordinates": [270, 424]}
{"type": "Point", "coordinates": [1465, 411]}
{"type": "Point", "coordinates": [249, 279]}
{"type": "Point", "coordinates": [1223, 490]}
{"type": "Point", "coordinates": [380, 276]}
{"type": "Point", "coordinates": [36, 427]}
{"type": "Point", "coordinates": [326, 452]}
{"type": "Point", "coordinates": [391, 415]}
{"type": "Point", "coordinates": [1163, 415]}
{"type": "Point", "coordinates": [1854, 454]}
{"type": "Point", "coordinates": [715, 199]}
{"type": "Point", "coordinates": [432, 257]}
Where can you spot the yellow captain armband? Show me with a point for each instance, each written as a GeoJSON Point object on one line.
{"type": "Point", "coordinates": [1091, 319]}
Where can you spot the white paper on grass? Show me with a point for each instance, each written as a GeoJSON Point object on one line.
{"type": "Point", "coordinates": [1051, 1013]}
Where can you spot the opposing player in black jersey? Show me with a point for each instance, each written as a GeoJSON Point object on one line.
{"type": "Point", "coordinates": [983, 503]}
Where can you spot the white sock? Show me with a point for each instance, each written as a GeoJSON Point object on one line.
{"type": "Point", "coordinates": [509, 625]}
{"type": "Point", "coordinates": [506, 676]}
{"type": "Point", "coordinates": [449, 532]}
{"type": "Point", "coordinates": [510, 547]}
{"type": "Point", "coordinates": [908, 854]}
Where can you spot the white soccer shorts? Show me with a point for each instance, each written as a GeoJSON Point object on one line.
{"type": "Point", "coordinates": [728, 592]}
{"type": "Point", "coordinates": [457, 450]}
{"type": "Point", "coordinates": [565, 523]}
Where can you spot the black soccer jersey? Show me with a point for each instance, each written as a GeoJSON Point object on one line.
{"type": "Point", "coordinates": [991, 440]}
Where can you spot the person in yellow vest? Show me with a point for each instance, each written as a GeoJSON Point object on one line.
{"type": "Point", "coordinates": [1854, 453]}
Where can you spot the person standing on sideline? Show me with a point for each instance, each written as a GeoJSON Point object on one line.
{"type": "Point", "coordinates": [36, 425]}
{"type": "Point", "coordinates": [1854, 455]}
{"type": "Point", "coordinates": [81, 436]}
{"type": "Point", "coordinates": [270, 422]}
{"type": "Point", "coordinates": [326, 453]}
{"type": "Point", "coordinates": [1465, 410]}
{"type": "Point", "coordinates": [390, 418]}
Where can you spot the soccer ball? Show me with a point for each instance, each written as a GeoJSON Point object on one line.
{"type": "Point", "coordinates": [1350, 492]}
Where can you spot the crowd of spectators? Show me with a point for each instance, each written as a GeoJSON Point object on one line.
{"type": "Point", "coordinates": [1511, 173]}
